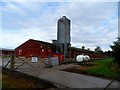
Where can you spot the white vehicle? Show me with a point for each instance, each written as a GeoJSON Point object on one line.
{"type": "Point", "coordinates": [82, 58]}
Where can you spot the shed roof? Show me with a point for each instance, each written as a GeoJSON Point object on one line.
{"type": "Point", "coordinates": [53, 47]}
{"type": "Point", "coordinates": [84, 50]}
{"type": "Point", "coordinates": [6, 49]}
{"type": "Point", "coordinates": [50, 45]}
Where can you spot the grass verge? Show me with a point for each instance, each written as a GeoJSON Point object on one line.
{"type": "Point", "coordinates": [105, 68]}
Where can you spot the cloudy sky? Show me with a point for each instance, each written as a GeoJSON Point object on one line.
{"type": "Point", "coordinates": [92, 23]}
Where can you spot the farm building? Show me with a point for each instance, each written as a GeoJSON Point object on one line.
{"type": "Point", "coordinates": [4, 51]}
{"type": "Point", "coordinates": [35, 48]}
{"type": "Point", "coordinates": [44, 49]}
{"type": "Point", "coordinates": [93, 55]}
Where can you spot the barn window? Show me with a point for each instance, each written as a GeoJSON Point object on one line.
{"type": "Point", "coordinates": [43, 50]}
{"type": "Point", "coordinates": [20, 52]}
{"type": "Point", "coordinates": [49, 50]}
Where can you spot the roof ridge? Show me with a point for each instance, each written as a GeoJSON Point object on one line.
{"type": "Point", "coordinates": [40, 41]}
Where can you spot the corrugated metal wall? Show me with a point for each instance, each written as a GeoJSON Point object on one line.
{"type": "Point", "coordinates": [32, 48]}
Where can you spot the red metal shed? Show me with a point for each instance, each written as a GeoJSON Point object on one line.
{"type": "Point", "coordinates": [35, 48]}
{"type": "Point", "coordinates": [4, 51]}
{"type": "Point", "coordinates": [44, 49]}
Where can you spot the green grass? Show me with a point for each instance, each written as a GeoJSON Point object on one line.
{"type": "Point", "coordinates": [104, 68]}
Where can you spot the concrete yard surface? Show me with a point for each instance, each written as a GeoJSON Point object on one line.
{"type": "Point", "coordinates": [69, 80]}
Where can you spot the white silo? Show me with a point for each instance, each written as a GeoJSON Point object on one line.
{"type": "Point", "coordinates": [63, 35]}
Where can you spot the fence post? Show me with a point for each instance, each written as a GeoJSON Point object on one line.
{"type": "Point", "coordinates": [12, 64]}
{"type": "Point", "coordinates": [2, 61]}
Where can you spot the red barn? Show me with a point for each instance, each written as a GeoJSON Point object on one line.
{"type": "Point", "coordinates": [93, 55]}
{"type": "Point", "coordinates": [35, 48]}
{"type": "Point", "coordinates": [4, 51]}
{"type": "Point", "coordinates": [44, 49]}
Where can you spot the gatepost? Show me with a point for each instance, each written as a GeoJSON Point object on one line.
{"type": "Point", "coordinates": [12, 63]}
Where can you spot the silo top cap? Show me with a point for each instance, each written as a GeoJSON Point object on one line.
{"type": "Point", "coordinates": [64, 17]}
